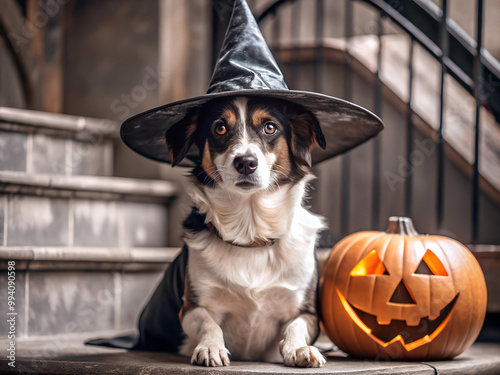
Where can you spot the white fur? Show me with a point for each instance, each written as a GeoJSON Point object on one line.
{"type": "Point", "coordinates": [241, 105]}
{"type": "Point", "coordinates": [252, 293]}
{"type": "Point", "coordinates": [262, 177]}
{"type": "Point", "coordinates": [210, 350]}
{"type": "Point", "coordinates": [249, 300]}
{"type": "Point", "coordinates": [295, 349]}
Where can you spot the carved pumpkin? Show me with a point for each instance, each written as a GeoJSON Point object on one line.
{"type": "Point", "coordinates": [398, 294]}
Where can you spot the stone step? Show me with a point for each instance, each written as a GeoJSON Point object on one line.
{"type": "Point", "coordinates": [41, 142]}
{"type": "Point", "coordinates": [59, 222]}
{"type": "Point", "coordinates": [80, 211]}
{"type": "Point", "coordinates": [50, 258]}
{"type": "Point", "coordinates": [92, 187]}
{"type": "Point", "coordinates": [80, 290]}
{"type": "Point", "coordinates": [26, 119]}
{"type": "Point", "coordinates": [66, 354]}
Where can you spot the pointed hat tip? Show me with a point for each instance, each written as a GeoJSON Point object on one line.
{"type": "Point", "coordinates": [245, 60]}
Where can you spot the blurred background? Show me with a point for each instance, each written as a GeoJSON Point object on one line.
{"type": "Point", "coordinates": [92, 225]}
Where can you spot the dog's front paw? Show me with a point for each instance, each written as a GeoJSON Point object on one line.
{"type": "Point", "coordinates": [305, 356]}
{"type": "Point", "coordinates": [211, 355]}
{"type": "Point", "coordinates": [309, 356]}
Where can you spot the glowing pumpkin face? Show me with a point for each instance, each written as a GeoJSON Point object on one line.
{"type": "Point", "coordinates": [397, 294]}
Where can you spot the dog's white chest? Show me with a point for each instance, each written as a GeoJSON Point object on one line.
{"type": "Point", "coordinates": [253, 328]}
{"type": "Point", "coordinates": [251, 293]}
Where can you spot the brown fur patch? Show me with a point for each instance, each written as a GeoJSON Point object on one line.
{"type": "Point", "coordinates": [207, 163]}
{"type": "Point", "coordinates": [259, 116]}
{"type": "Point", "coordinates": [189, 303]}
{"type": "Point", "coordinates": [282, 163]}
{"type": "Point", "coordinates": [230, 117]}
{"type": "Point", "coordinates": [171, 152]}
{"type": "Point", "coordinates": [190, 130]}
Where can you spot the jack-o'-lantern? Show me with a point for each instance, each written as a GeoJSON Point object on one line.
{"type": "Point", "coordinates": [400, 295]}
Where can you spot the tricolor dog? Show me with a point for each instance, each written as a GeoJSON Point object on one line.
{"type": "Point", "coordinates": [244, 284]}
{"type": "Point", "coordinates": [251, 277]}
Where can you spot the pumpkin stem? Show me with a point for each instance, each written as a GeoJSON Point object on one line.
{"type": "Point", "coordinates": [401, 225]}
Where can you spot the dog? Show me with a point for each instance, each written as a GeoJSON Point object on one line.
{"type": "Point", "coordinates": [252, 274]}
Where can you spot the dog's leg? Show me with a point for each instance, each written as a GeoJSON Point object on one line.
{"type": "Point", "coordinates": [202, 329]}
{"type": "Point", "coordinates": [295, 347]}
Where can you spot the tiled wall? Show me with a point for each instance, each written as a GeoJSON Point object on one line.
{"type": "Point", "coordinates": [43, 221]}
{"type": "Point", "coordinates": [36, 221]}
{"type": "Point", "coordinates": [60, 302]}
{"type": "Point", "coordinates": [95, 223]}
{"type": "Point", "coordinates": [13, 155]}
{"type": "Point", "coordinates": [39, 153]}
{"type": "Point", "coordinates": [145, 225]}
{"type": "Point", "coordinates": [20, 306]}
{"type": "Point", "coordinates": [2, 222]}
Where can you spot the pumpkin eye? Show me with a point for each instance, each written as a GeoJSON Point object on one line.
{"type": "Point", "coordinates": [270, 128]}
{"type": "Point", "coordinates": [220, 128]}
{"type": "Point", "coordinates": [431, 265]}
{"type": "Point", "coordinates": [369, 265]}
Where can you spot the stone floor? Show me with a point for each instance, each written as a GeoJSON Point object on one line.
{"type": "Point", "coordinates": [54, 356]}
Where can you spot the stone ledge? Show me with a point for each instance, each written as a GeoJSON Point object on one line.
{"type": "Point", "coordinates": [86, 186]}
{"type": "Point", "coordinates": [16, 119]}
{"type": "Point", "coordinates": [72, 357]}
{"type": "Point", "coordinates": [95, 258]}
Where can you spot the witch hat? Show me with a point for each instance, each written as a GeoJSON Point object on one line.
{"type": "Point", "coordinates": [246, 67]}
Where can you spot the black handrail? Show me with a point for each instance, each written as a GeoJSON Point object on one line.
{"type": "Point", "coordinates": [420, 19]}
{"type": "Point", "coordinates": [459, 55]}
{"type": "Point", "coordinates": [478, 92]}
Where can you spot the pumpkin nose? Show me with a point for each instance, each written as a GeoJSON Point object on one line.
{"type": "Point", "coordinates": [402, 295]}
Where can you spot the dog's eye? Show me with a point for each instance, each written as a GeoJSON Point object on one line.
{"type": "Point", "coordinates": [270, 128]}
{"type": "Point", "coordinates": [220, 128]}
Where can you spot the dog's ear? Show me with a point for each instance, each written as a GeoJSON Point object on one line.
{"type": "Point", "coordinates": [306, 134]}
{"type": "Point", "coordinates": [180, 137]}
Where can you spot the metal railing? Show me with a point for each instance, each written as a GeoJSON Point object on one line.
{"type": "Point", "coordinates": [460, 56]}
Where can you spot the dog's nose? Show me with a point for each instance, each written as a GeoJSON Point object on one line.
{"type": "Point", "coordinates": [246, 164]}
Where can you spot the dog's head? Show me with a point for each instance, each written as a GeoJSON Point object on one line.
{"type": "Point", "coordinates": [248, 143]}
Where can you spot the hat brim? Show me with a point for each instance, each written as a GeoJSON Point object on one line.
{"type": "Point", "coordinates": [345, 125]}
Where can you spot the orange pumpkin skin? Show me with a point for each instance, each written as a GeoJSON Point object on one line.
{"type": "Point", "coordinates": [401, 295]}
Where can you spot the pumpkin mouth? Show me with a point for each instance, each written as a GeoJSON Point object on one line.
{"type": "Point", "coordinates": [410, 337]}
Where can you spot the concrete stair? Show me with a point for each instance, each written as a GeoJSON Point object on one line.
{"type": "Point", "coordinates": [47, 357]}
{"type": "Point", "coordinates": [62, 210]}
